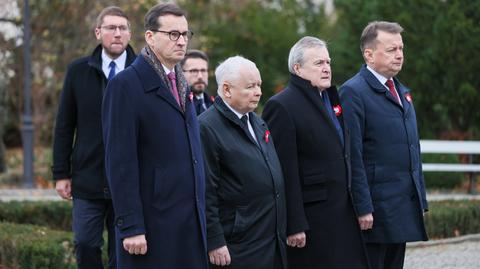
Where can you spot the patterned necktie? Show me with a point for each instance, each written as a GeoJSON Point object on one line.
{"type": "Point", "coordinates": [393, 92]}
{"type": "Point", "coordinates": [111, 74]}
{"type": "Point", "coordinates": [328, 107]}
{"type": "Point", "coordinates": [171, 76]}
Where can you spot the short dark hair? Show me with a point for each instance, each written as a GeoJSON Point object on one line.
{"type": "Point", "coordinates": [151, 18]}
{"type": "Point", "coordinates": [370, 33]}
{"type": "Point", "coordinates": [194, 54]}
{"type": "Point", "coordinates": [110, 11]}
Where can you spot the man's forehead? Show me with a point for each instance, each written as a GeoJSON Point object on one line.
{"type": "Point", "coordinates": [173, 22]}
{"type": "Point", "coordinates": [114, 18]}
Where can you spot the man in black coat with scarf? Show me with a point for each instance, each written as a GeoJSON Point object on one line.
{"type": "Point", "coordinates": [78, 154]}
{"type": "Point", "coordinates": [313, 146]}
{"type": "Point", "coordinates": [245, 197]}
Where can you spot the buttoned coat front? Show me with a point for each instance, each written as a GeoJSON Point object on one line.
{"type": "Point", "coordinates": [316, 170]}
{"type": "Point", "coordinates": [386, 165]}
{"type": "Point", "coordinates": [154, 166]}
{"type": "Point", "coordinates": [245, 190]}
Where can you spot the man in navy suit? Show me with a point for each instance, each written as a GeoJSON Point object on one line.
{"type": "Point", "coordinates": [153, 156]}
{"type": "Point", "coordinates": [195, 68]}
{"type": "Point", "coordinates": [387, 181]}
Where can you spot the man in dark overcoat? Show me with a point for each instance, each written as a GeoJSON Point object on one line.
{"type": "Point", "coordinates": [387, 181]}
{"type": "Point", "coordinates": [312, 143]}
{"type": "Point", "coordinates": [153, 154]}
{"type": "Point", "coordinates": [246, 220]}
{"type": "Point", "coordinates": [78, 155]}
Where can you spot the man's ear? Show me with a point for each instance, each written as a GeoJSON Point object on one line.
{"type": "Point", "coordinates": [97, 33]}
{"type": "Point", "coordinates": [149, 38]}
{"type": "Point", "coordinates": [296, 68]}
{"type": "Point", "coordinates": [226, 90]}
{"type": "Point", "coordinates": [368, 56]}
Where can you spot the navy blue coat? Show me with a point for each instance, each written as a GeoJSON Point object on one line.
{"type": "Point", "coordinates": [154, 167]}
{"type": "Point", "coordinates": [387, 174]}
{"type": "Point", "coordinates": [245, 190]}
{"type": "Point", "coordinates": [316, 169]}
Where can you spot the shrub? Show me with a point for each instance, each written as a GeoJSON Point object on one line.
{"type": "Point", "coordinates": [452, 218]}
{"type": "Point", "coordinates": [34, 247]}
{"type": "Point", "coordinates": [56, 215]}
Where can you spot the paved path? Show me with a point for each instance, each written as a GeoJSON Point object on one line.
{"type": "Point", "coordinates": [455, 253]}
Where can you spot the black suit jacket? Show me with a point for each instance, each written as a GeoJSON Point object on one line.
{"type": "Point", "coordinates": [317, 177]}
{"type": "Point", "coordinates": [245, 198]}
{"type": "Point", "coordinates": [198, 104]}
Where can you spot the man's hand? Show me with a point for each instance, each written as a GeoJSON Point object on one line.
{"type": "Point", "coordinates": [366, 221]}
{"type": "Point", "coordinates": [220, 256]}
{"type": "Point", "coordinates": [64, 188]}
{"type": "Point", "coordinates": [136, 244]}
{"type": "Point", "coordinates": [297, 240]}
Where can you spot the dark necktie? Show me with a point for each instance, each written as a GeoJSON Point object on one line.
{"type": "Point", "coordinates": [201, 105]}
{"type": "Point", "coordinates": [173, 80]}
{"type": "Point", "coordinates": [393, 92]}
{"type": "Point", "coordinates": [244, 119]}
{"type": "Point", "coordinates": [111, 74]}
{"type": "Point", "coordinates": [328, 107]}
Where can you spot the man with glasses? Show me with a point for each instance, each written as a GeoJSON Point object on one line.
{"type": "Point", "coordinates": [78, 155]}
{"type": "Point", "coordinates": [153, 156]}
{"type": "Point", "coordinates": [195, 68]}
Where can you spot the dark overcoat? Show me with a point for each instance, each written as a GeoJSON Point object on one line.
{"type": "Point", "coordinates": [78, 151]}
{"type": "Point", "coordinates": [316, 170]}
{"type": "Point", "coordinates": [387, 174]}
{"type": "Point", "coordinates": [245, 189]}
{"type": "Point", "coordinates": [154, 166]}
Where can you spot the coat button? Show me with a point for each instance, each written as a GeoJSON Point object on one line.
{"type": "Point", "coordinates": [119, 222]}
{"type": "Point", "coordinates": [194, 161]}
{"type": "Point", "coordinates": [277, 194]}
{"type": "Point", "coordinates": [105, 190]}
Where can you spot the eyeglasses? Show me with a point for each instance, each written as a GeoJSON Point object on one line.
{"type": "Point", "coordinates": [175, 35]}
{"type": "Point", "coordinates": [196, 71]}
{"type": "Point", "coordinates": [113, 28]}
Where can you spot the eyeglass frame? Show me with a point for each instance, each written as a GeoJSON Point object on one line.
{"type": "Point", "coordinates": [170, 33]}
{"type": "Point", "coordinates": [111, 29]}
{"type": "Point", "coordinates": [196, 71]}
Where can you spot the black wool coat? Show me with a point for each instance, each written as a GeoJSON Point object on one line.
{"type": "Point", "coordinates": [317, 178]}
{"type": "Point", "coordinates": [78, 145]}
{"type": "Point", "coordinates": [245, 197]}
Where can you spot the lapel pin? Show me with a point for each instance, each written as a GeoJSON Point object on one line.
{"type": "Point", "coordinates": [338, 110]}
{"type": "Point", "coordinates": [408, 96]}
{"type": "Point", "coordinates": [266, 136]}
{"type": "Point", "coordinates": [190, 96]}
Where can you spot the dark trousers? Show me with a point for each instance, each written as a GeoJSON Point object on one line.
{"type": "Point", "coordinates": [89, 219]}
{"type": "Point", "coordinates": [386, 256]}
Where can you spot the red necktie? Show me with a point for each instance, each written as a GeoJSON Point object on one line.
{"type": "Point", "coordinates": [173, 89]}
{"type": "Point", "coordinates": [393, 92]}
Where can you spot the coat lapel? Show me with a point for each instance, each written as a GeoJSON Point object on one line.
{"type": "Point", "coordinates": [151, 81]}
{"type": "Point", "coordinates": [313, 97]}
{"type": "Point", "coordinates": [378, 87]}
{"type": "Point", "coordinates": [227, 113]}
{"type": "Point", "coordinates": [260, 130]}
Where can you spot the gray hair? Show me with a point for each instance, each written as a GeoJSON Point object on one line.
{"type": "Point", "coordinates": [368, 39]}
{"type": "Point", "coordinates": [229, 70]}
{"type": "Point", "coordinates": [297, 51]}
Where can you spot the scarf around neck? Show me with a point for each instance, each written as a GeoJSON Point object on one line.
{"type": "Point", "coordinates": [152, 59]}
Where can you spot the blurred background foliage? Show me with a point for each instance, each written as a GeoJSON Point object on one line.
{"type": "Point", "coordinates": [442, 50]}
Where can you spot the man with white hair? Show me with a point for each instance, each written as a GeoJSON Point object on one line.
{"type": "Point", "coordinates": [313, 146]}
{"type": "Point", "coordinates": [245, 200]}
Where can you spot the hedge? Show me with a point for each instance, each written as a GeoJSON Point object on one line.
{"type": "Point", "coordinates": [56, 215]}
{"type": "Point", "coordinates": [34, 247]}
{"type": "Point", "coordinates": [452, 218]}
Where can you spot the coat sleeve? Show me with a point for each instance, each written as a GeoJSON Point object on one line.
{"type": "Point", "coordinates": [283, 132]}
{"type": "Point", "coordinates": [215, 233]}
{"type": "Point", "coordinates": [120, 134]}
{"type": "Point", "coordinates": [354, 115]}
{"type": "Point", "coordinates": [64, 132]}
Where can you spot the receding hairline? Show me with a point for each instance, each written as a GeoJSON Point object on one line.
{"type": "Point", "coordinates": [368, 39]}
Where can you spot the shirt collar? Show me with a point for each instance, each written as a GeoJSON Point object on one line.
{"type": "Point", "coordinates": [239, 115]}
{"type": "Point", "coordinates": [380, 78]}
{"type": "Point", "coordinates": [199, 96]}
{"type": "Point", "coordinates": [119, 61]}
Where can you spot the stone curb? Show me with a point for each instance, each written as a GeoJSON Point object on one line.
{"type": "Point", "coordinates": [454, 240]}
{"type": "Point", "coordinates": [7, 195]}
{"type": "Point", "coordinates": [443, 197]}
